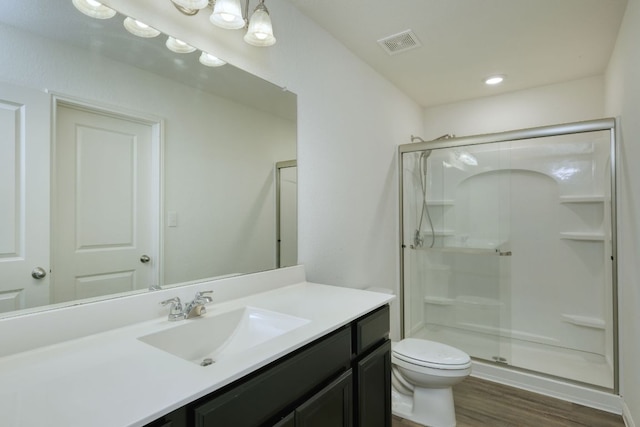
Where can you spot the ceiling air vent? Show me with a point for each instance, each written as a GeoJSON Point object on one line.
{"type": "Point", "coordinates": [400, 42]}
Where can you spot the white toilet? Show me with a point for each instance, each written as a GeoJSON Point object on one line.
{"type": "Point", "coordinates": [423, 373]}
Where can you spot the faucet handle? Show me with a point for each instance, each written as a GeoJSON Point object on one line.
{"type": "Point", "coordinates": [175, 312]}
{"type": "Point", "coordinates": [200, 296]}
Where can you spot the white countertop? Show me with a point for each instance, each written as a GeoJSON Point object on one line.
{"type": "Point", "coordinates": [112, 379]}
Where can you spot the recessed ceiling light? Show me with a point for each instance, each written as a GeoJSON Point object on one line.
{"type": "Point", "coordinates": [494, 80]}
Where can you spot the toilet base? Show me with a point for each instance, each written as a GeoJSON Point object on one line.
{"type": "Point", "coordinates": [432, 407]}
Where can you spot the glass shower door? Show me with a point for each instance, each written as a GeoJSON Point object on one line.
{"type": "Point", "coordinates": [507, 251]}
{"type": "Point", "coordinates": [456, 249]}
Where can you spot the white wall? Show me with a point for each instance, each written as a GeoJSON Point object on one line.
{"type": "Point", "coordinates": [623, 99]}
{"type": "Point", "coordinates": [547, 105]}
{"type": "Point", "coordinates": [222, 229]}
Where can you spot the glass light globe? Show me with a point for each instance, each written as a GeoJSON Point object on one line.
{"type": "Point", "coordinates": [227, 14]}
{"type": "Point", "coordinates": [94, 9]}
{"type": "Point", "coordinates": [192, 4]}
{"type": "Point", "coordinates": [178, 46]}
{"type": "Point", "coordinates": [210, 60]}
{"type": "Point", "coordinates": [260, 31]}
{"type": "Point", "coordinates": [140, 29]}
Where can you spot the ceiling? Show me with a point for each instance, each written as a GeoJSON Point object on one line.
{"type": "Point", "coordinates": [532, 42]}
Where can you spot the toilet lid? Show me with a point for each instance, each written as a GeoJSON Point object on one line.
{"type": "Point", "coordinates": [431, 354]}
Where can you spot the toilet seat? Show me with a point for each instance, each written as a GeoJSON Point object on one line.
{"type": "Point", "coordinates": [431, 354]}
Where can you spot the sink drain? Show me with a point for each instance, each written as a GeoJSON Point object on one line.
{"type": "Point", "coordinates": [206, 361]}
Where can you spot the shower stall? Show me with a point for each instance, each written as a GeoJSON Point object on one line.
{"type": "Point", "coordinates": [508, 249]}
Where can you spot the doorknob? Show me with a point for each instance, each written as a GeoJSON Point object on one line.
{"type": "Point", "coordinates": [145, 259]}
{"type": "Point", "coordinates": [38, 273]}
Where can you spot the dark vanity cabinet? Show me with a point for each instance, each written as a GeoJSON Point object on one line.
{"type": "Point", "coordinates": [340, 380]}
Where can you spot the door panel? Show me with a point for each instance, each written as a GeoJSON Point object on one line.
{"type": "Point", "coordinates": [105, 217]}
{"type": "Point", "coordinates": [24, 196]}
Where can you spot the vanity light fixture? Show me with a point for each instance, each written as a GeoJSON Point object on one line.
{"type": "Point", "coordinates": [210, 60]}
{"type": "Point", "coordinates": [140, 29]}
{"type": "Point", "coordinates": [229, 14]}
{"type": "Point", "coordinates": [494, 80]}
{"type": "Point", "coordinates": [178, 46]}
{"type": "Point", "coordinates": [94, 9]}
{"type": "Point", "coordinates": [97, 10]}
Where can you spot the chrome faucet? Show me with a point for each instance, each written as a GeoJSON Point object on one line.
{"type": "Point", "coordinates": [195, 308]}
{"type": "Point", "coordinates": [175, 312]}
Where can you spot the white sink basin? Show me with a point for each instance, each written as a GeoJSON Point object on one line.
{"type": "Point", "coordinates": [217, 337]}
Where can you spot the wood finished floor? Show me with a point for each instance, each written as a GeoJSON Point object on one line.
{"type": "Point", "coordinates": [484, 403]}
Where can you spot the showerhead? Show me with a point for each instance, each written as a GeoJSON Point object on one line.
{"type": "Point", "coordinates": [425, 154]}
{"type": "Point", "coordinates": [445, 136]}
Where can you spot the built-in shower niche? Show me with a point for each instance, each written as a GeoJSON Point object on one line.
{"type": "Point", "coordinates": [514, 264]}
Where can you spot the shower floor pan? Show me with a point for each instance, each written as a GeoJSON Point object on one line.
{"type": "Point", "coordinates": [572, 365]}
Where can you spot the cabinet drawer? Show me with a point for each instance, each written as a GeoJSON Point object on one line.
{"type": "Point", "coordinates": [268, 394]}
{"type": "Point", "coordinates": [371, 330]}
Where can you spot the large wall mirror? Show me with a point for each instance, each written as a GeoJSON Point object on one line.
{"type": "Point", "coordinates": [125, 166]}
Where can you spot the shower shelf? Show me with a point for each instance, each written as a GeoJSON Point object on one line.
{"type": "Point", "coordinates": [585, 321]}
{"type": "Point", "coordinates": [593, 237]}
{"type": "Point", "coordinates": [439, 300]}
{"type": "Point", "coordinates": [581, 199]}
{"type": "Point", "coordinates": [445, 202]}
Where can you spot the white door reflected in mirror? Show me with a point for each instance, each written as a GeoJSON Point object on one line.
{"type": "Point", "coordinates": [104, 202]}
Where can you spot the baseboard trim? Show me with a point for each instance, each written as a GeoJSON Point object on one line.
{"type": "Point", "coordinates": [626, 416]}
{"type": "Point", "coordinates": [549, 387]}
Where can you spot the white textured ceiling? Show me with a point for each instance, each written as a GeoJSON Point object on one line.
{"type": "Point", "coordinates": [533, 42]}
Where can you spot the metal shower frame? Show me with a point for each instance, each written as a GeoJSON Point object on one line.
{"type": "Point", "coordinates": [606, 124]}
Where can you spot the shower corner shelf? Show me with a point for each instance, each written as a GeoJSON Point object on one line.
{"type": "Point", "coordinates": [582, 199]}
{"type": "Point", "coordinates": [585, 236]}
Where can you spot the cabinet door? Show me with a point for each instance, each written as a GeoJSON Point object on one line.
{"type": "Point", "coordinates": [330, 407]}
{"type": "Point", "coordinates": [288, 421]}
{"type": "Point", "coordinates": [177, 418]}
{"type": "Point", "coordinates": [261, 399]}
{"type": "Point", "coordinates": [373, 388]}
